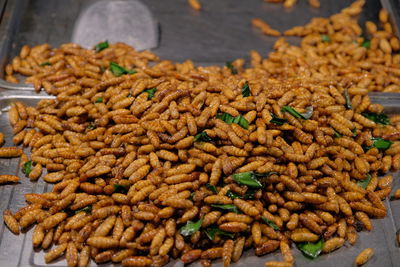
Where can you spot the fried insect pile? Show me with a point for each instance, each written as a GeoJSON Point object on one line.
{"type": "Point", "coordinates": [338, 49]}
{"type": "Point", "coordinates": [152, 160]}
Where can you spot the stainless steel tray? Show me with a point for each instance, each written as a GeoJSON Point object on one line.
{"type": "Point", "coordinates": [221, 33]}
{"type": "Point", "coordinates": [18, 251]}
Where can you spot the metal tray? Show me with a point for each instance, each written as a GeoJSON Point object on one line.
{"type": "Point", "coordinates": [18, 251]}
{"type": "Point", "coordinates": [220, 33]}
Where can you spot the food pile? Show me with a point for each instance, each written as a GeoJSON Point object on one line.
{"type": "Point", "coordinates": [153, 160]}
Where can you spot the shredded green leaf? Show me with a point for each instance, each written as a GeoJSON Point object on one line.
{"type": "Point", "coordinates": [366, 43]}
{"type": "Point", "coordinates": [348, 104]}
{"type": "Point", "coordinates": [212, 188]}
{"type": "Point", "coordinates": [227, 207]}
{"type": "Point", "coordinates": [250, 193]}
{"type": "Point", "coordinates": [101, 46]}
{"type": "Point", "coordinates": [364, 183]}
{"type": "Point", "coordinates": [276, 120]}
{"type": "Point", "coordinates": [190, 227]}
{"type": "Point", "coordinates": [232, 194]}
{"type": "Point", "coordinates": [118, 188]}
{"type": "Point", "coordinates": [87, 209]}
{"type": "Point", "coordinates": [117, 70]}
{"type": "Point", "coordinates": [247, 178]}
{"type": "Point", "coordinates": [231, 67]}
{"type": "Point", "coordinates": [246, 90]}
{"type": "Point", "coordinates": [311, 250]}
{"type": "Point", "coordinates": [99, 100]}
{"type": "Point", "coordinates": [381, 143]}
{"type": "Point", "coordinates": [92, 126]}
{"type": "Point", "coordinates": [225, 117]}
{"type": "Point", "coordinates": [366, 148]}
{"type": "Point", "coordinates": [380, 118]}
{"type": "Point", "coordinates": [325, 38]}
{"type": "Point", "coordinates": [214, 231]}
{"type": "Point", "coordinates": [151, 92]}
{"type": "Point", "coordinates": [27, 168]}
{"type": "Point", "coordinates": [240, 120]}
{"type": "Point", "coordinates": [202, 137]}
{"type": "Point", "coordinates": [45, 64]}
{"type": "Point", "coordinates": [271, 224]}
{"type": "Point", "coordinates": [296, 114]}
{"type": "Point", "coordinates": [336, 134]}
{"type": "Point", "coordinates": [291, 111]}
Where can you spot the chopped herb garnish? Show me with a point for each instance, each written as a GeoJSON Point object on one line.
{"type": "Point", "coordinates": [240, 120]}
{"type": "Point", "coordinates": [231, 67]}
{"type": "Point", "coordinates": [354, 131]}
{"type": "Point", "coordinates": [227, 207]}
{"type": "Point", "coordinates": [45, 64]}
{"type": "Point", "coordinates": [366, 43]}
{"type": "Point", "coordinates": [348, 104]}
{"type": "Point", "coordinates": [336, 134]}
{"type": "Point", "coordinates": [212, 188]}
{"type": "Point", "coordinates": [246, 89]}
{"type": "Point", "coordinates": [232, 194]}
{"type": "Point", "coordinates": [151, 92]}
{"type": "Point", "coordinates": [250, 193]}
{"type": "Point", "coordinates": [202, 137]}
{"type": "Point", "coordinates": [129, 95]}
{"type": "Point", "coordinates": [364, 183]}
{"type": "Point", "coordinates": [276, 120]}
{"type": "Point", "coordinates": [117, 70]}
{"type": "Point", "coordinates": [296, 114]}
{"type": "Point", "coordinates": [381, 143]}
{"type": "Point", "coordinates": [213, 231]}
{"type": "Point", "coordinates": [101, 46]}
{"type": "Point", "coordinates": [247, 178]}
{"type": "Point", "coordinates": [271, 224]}
{"type": "Point", "coordinates": [99, 100]}
{"type": "Point", "coordinates": [366, 148]}
{"type": "Point", "coordinates": [118, 188]}
{"type": "Point", "coordinates": [87, 209]}
{"type": "Point", "coordinates": [27, 168]}
{"type": "Point", "coordinates": [291, 111]}
{"type": "Point", "coordinates": [91, 126]}
{"type": "Point", "coordinates": [190, 227]}
{"type": "Point", "coordinates": [311, 250]}
{"type": "Point", "coordinates": [380, 118]}
{"type": "Point", "coordinates": [325, 38]}
{"type": "Point", "coordinates": [102, 69]}
{"type": "Point", "coordinates": [225, 117]}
